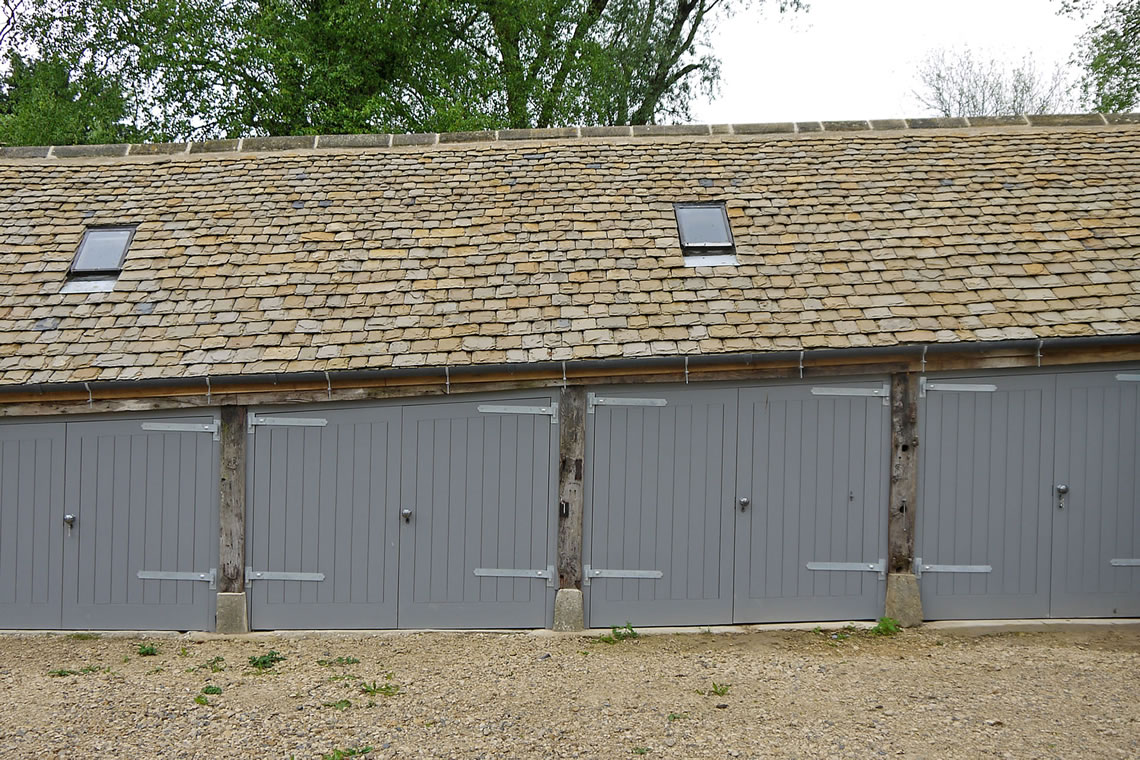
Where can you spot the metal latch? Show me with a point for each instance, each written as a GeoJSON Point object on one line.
{"type": "Point", "coordinates": [593, 400]}
{"type": "Point", "coordinates": [879, 567]}
{"type": "Point", "coordinates": [184, 427]}
{"type": "Point", "coordinates": [1124, 562]}
{"type": "Point", "coordinates": [883, 392]}
{"type": "Point", "coordinates": [924, 386]}
{"type": "Point", "coordinates": [257, 419]}
{"type": "Point", "coordinates": [920, 568]}
{"type": "Point", "coordinates": [596, 572]}
{"type": "Point", "coordinates": [275, 575]}
{"type": "Point", "coordinates": [179, 575]}
{"type": "Point", "coordinates": [511, 572]}
{"type": "Point", "coordinates": [550, 411]}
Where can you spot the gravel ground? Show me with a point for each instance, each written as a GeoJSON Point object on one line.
{"type": "Point", "coordinates": [921, 693]}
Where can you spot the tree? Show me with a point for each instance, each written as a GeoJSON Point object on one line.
{"type": "Point", "coordinates": [41, 103]}
{"type": "Point", "coordinates": [211, 68]}
{"type": "Point", "coordinates": [1109, 53]}
{"type": "Point", "coordinates": [960, 83]}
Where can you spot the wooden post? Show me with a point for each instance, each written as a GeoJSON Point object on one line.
{"type": "Point", "coordinates": [231, 508]}
{"type": "Point", "coordinates": [571, 458]}
{"type": "Point", "coordinates": [903, 603]}
{"type": "Point", "coordinates": [904, 472]}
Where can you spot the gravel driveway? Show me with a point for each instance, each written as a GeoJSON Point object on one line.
{"type": "Point", "coordinates": [921, 693]}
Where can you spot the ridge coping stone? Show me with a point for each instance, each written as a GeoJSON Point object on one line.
{"type": "Point", "coordinates": [385, 140]}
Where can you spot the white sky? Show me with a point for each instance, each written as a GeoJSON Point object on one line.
{"type": "Point", "coordinates": [854, 59]}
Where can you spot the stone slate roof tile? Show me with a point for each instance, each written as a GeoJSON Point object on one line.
{"type": "Point", "coordinates": [280, 255]}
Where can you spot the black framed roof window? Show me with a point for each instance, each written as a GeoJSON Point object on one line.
{"type": "Point", "coordinates": [705, 234]}
{"type": "Point", "coordinates": [101, 252]}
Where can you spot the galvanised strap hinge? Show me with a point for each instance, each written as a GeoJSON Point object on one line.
{"type": "Point", "coordinates": [252, 575]}
{"type": "Point", "coordinates": [920, 568]}
{"type": "Point", "coordinates": [883, 392]}
{"type": "Point", "coordinates": [259, 420]}
{"type": "Point", "coordinates": [593, 400]}
{"type": "Point", "coordinates": [511, 572]}
{"type": "Point", "coordinates": [924, 385]}
{"type": "Point", "coordinates": [185, 427]}
{"type": "Point", "coordinates": [549, 411]}
{"type": "Point", "coordinates": [179, 575]}
{"type": "Point", "coordinates": [589, 573]}
{"type": "Point", "coordinates": [879, 567]}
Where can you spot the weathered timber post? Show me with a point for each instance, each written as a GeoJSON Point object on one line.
{"type": "Point", "coordinates": [568, 607]}
{"type": "Point", "coordinates": [903, 601]}
{"type": "Point", "coordinates": [232, 617]}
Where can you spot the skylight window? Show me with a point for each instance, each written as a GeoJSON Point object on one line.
{"type": "Point", "coordinates": [101, 253]}
{"type": "Point", "coordinates": [706, 237]}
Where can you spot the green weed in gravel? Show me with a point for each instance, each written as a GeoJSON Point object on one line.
{"type": "Point", "coordinates": [265, 661]}
{"type": "Point", "coordinates": [340, 754]}
{"type": "Point", "coordinates": [147, 650]}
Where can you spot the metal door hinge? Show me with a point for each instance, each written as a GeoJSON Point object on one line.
{"type": "Point", "coordinates": [210, 577]}
{"type": "Point", "coordinates": [924, 385]}
{"type": "Point", "coordinates": [1124, 562]}
{"type": "Point", "coordinates": [510, 572]}
{"type": "Point", "coordinates": [252, 575]}
{"type": "Point", "coordinates": [920, 568]}
{"type": "Point", "coordinates": [259, 420]}
{"type": "Point", "coordinates": [549, 411]}
{"type": "Point", "coordinates": [185, 427]}
{"type": "Point", "coordinates": [879, 567]}
{"type": "Point", "coordinates": [593, 400]}
{"type": "Point", "coordinates": [589, 573]}
{"type": "Point", "coordinates": [883, 392]}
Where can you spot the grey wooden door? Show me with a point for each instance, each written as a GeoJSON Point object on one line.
{"type": "Point", "coordinates": [985, 484]}
{"type": "Point", "coordinates": [31, 524]}
{"type": "Point", "coordinates": [813, 471]}
{"type": "Point", "coordinates": [479, 490]}
{"type": "Point", "coordinates": [1096, 532]}
{"type": "Point", "coordinates": [322, 502]}
{"type": "Point", "coordinates": [659, 498]}
{"type": "Point", "coordinates": [143, 500]}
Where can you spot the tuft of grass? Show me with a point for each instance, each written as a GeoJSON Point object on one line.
{"type": "Point", "coordinates": [265, 661]}
{"type": "Point", "coordinates": [212, 690]}
{"type": "Point", "coordinates": [383, 689]}
{"type": "Point", "coordinates": [183, 652]}
{"type": "Point", "coordinates": [675, 716]}
{"type": "Point", "coordinates": [719, 689]}
{"type": "Point", "coordinates": [215, 664]}
{"type": "Point", "coordinates": [340, 704]}
{"type": "Point", "coordinates": [63, 672]}
{"type": "Point", "coordinates": [147, 650]}
{"type": "Point", "coordinates": [640, 750]}
{"type": "Point", "coordinates": [84, 636]}
{"type": "Point", "coordinates": [617, 634]}
{"type": "Point", "coordinates": [887, 626]}
{"type": "Point", "coordinates": [201, 700]}
{"type": "Point", "coordinates": [340, 754]}
{"type": "Point", "coordinates": [350, 660]}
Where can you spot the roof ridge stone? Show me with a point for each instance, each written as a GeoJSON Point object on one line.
{"type": "Point", "coordinates": [390, 140]}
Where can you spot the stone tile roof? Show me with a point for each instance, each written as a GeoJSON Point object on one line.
{"type": "Point", "coordinates": [562, 245]}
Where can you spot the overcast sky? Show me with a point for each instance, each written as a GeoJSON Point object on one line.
{"type": "Point", "coordinates": [855, 59]}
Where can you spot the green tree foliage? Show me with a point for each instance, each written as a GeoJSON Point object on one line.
{"type": "Point", "coordinates": [1110, 54]}
{"type": "Point", "coordinates": [43, 102]}
{"type": "Point", "coordinates": [228, 68]}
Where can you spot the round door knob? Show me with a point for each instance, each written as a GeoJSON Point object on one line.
{"type": "Point", "coordinates": [1062, 489]}
{"type": "Point", "coordinates": [406, 514]}
{"type": "Point", "coordinates": [744, 502]}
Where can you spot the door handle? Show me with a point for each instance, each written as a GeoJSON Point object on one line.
{"type": "Point", "coordinates": [1062, 489]}
{"type": "Point", "coordinates": [744, 501]}
{"type": "Point", "coordinates": [406, 514]}
{"type": "Point", "coordinates": [69, 521]}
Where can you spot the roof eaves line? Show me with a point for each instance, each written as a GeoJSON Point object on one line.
{"type": "Point", "coordinates": [763, 129]}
